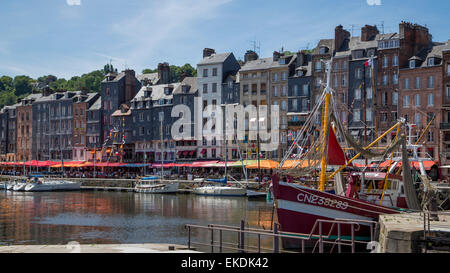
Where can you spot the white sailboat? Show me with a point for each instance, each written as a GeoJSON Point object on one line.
{"type": "Point", "coordinates": [221, 190]}
{"type": "Point", "coordinates": [56, 185]}
{"type": "Point", "coordinates": [150, 184]}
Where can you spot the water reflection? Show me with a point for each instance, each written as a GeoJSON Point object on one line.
{"type": "Point", "coordinates": [113, 217]}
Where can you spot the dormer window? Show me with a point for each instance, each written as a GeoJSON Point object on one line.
{"type": "Point", "coordinates": [431, 62]}
{"type": "Point", "coordinates": [412, 64]}
{"type": "Point", "coordinates": [167, 90]}
{"type": "Point", "coordinates": [323, 50]}
{"type": "Point", "coordinates": [185, 88]}
{"type": "Point", "coordinates": [282, 61]}
{"type": "Point", "coordinates": [161, 102]}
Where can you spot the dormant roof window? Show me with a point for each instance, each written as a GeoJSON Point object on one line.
{"type": "Point", "coordinates": [412, 64]}
{"type": "Point", "coordinates": [323, 50]}
{"type": "Point", "coordinates": [431, 61]}
{"type": "Point", "coordinates": [167, 90]}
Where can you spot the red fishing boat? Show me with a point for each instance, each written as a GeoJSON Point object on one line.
{"type": "Point", "coordinates": [362, 198]}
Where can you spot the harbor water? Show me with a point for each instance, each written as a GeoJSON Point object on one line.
{"type": "Point", "coordinates": [97, 217]}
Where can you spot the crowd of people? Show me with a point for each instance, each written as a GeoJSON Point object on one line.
{"type": "Point", "coordinates": [182, 173]}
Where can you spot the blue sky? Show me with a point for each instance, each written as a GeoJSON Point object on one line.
{"type": "Point", "coordinates": [70, 37]}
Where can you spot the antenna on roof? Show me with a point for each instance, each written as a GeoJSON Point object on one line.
{"type": "Point", "coordinates": [256, 46]}
{"type": "Point", "coordinates": [352, 25]}
{"type": "Point", "coordinates": [382, 27]}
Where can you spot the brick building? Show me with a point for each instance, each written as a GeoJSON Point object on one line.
{"type": "Point", "coordinates": [25, 137]}
{"type": "Point", "coordinates": [81, 103]}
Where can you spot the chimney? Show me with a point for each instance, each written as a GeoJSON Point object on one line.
{"type": "Point", "coordinates": [276, 56]}
{"type": "Point", "coordinates": [415, 38]}
{"type": "Point", "coordinates": [84, 90]}
{"type": "Point", "coordinates": [340, 35]}
{"type": "Point", "coordinates": [46, 91]}
{"type": "Point", "coordinates": [368, 33]}
{"type": "Point", "coordinates": [208, 52]}
{"type": "Point", "coordinates": [164, 73]}
{"type": "Point", "coordinates": [183, 76]}
{"type": "Point", "coordinates": [250, 55]}
{"type": "Point", "coordinates": [130, 84]}
{"type": "Point", "coordinates": [301, 58]}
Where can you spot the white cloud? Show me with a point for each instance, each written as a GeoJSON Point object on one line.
{"type": "Point", "coordinates": [73, 2]}
{"type": "Point", "coordinates": [374, 2]}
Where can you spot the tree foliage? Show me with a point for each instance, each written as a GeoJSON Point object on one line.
{"type": "Point", "coordinates": [20, 86]}
{"type": "Point", "coordinates": [176, 72]}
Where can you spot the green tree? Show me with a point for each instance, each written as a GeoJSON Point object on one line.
{"type": "Point", "coordinates": [148, 71]}
{"type": "Point", "coordinates": [47, 79]}
{"type": "Point", "coordinates": [109, 68]}
{"type": "Point", "coordinates": [22, 85]}
{"type": "Point", "coordinates": [6, 83]}
{"type": "Point", "coordinates": [7, 98]}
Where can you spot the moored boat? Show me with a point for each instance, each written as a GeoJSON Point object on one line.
{"type": "Point", "coordinates": [56, 185]}
{"type": "Point", "coordinates": [215, 190]}
{"type": "Point", "coordinates": [151, 185]}
{"type": "Point", "coordinates": [19, 186]}
{"type": "Point", "coordinates": [360, 199]}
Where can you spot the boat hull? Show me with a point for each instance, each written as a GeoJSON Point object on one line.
{"type": "Point", "coordinates": [19, 187]}
{"type": "Point", "coordinates": [158, 189]}
{"type": "Point", "coordinates": [256, 194]}
{"type": "Point", "coordinates": [55, 186]}
{"type": "Point", "coordinates": [220, 191]}
{"type": "Point", "coordinates": [299, 207]}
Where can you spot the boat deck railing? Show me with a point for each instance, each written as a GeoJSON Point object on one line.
{"type": "Point", "coordinates": [316, 238]}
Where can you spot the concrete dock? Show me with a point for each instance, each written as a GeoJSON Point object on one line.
{"type": "Point", "coordinates": [404, 233]}
{"type": "Point", "coordinates": [74, 247]}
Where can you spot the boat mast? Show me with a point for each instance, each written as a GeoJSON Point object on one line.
{"type": "Point", "coordinates": [161, 117]}
{"type": "Point", "coordinates": [325, 128]}
{"type": "Point", "coordinates": [60, 141]}
{"type": "Point", "coordinates": [49, 138]}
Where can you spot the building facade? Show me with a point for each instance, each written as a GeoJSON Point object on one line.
{"type": "Point", "coordinates": [211, 73]}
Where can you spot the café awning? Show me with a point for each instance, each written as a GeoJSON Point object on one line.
{"type": "Point", "coordinates": [264, 164]}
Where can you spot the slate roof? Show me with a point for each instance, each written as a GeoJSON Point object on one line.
{"type": "Point", "coordinates": [157, 92]}
{"type": "Point", "coordinates": [117, 78]}
{"type": "Point", "coordinates": [215, 58]}
{"type": "Point", "coordinates": [324, 42]}
{"type": "Point", "coordinates": [152, 77]}
{"type": "Point", "coordinates": [191, 82]}
{"type": "Point", "coordinates": [97, 105]}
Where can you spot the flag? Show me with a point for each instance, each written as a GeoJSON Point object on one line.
{"type": "Point", "coordinates": [369, 62]}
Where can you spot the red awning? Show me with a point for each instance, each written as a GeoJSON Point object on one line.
{"type": "Point", "coordinates": [179, 152]}
{"type": "Point", "coordinates": [183, 165]}
{"type": "Point", "coordinates": [426, 164]}
{"type": "Point", "coordinates": [185, 153]}
{"type": "Point", "coordinates": [191, 153]}
{"type": "Point", "coordinates": [203, 163]}
{"type": "Point", "coordinates": [109, 164]}
{"type": "Point", "coordinates": [203, 151]}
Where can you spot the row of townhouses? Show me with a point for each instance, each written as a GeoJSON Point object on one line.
{"type": "Point", "coordinates": [130, 120]}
